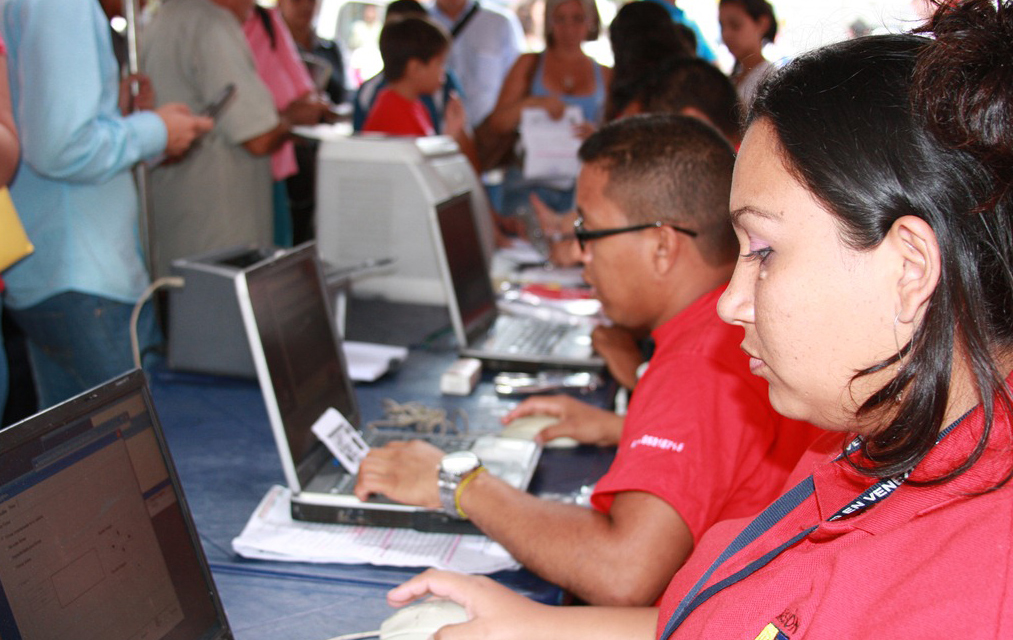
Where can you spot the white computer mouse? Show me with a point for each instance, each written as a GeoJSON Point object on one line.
{"type": "Point", "coordinates": [527, 428]}
{"type": "Point", "coordinates": [420, 621]}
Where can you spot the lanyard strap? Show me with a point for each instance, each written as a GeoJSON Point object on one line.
{"type": "Point", "coordinates": [770, 517]}
{"type": "Point", "coordinates": [459, 27]}
{"type": "Point", "coordinates": [760, 525]}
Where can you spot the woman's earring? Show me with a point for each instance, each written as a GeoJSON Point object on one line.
{"type": "Point", "coordinates": [896, 340]}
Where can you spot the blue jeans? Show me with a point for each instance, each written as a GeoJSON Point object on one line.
{"type": "Point", "coordinates": [514, 192]}
{"type": "Point", "coordinates": [3, 366]}
{"type": "Point", "coordinates": [77, 341]}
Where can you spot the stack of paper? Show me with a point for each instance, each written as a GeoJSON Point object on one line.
{"type": "Point", "coordinates": [271, 534]}
{"type": "Point", "coordinates": [368, 361]}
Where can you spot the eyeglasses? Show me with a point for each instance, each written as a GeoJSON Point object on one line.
{"type": "Point", "coordinates": [584, 236]}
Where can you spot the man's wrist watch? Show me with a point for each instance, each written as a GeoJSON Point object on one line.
{"type": "Point", "coordinates": [454, 468]}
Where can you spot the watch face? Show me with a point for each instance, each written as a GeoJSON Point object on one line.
{"type": "Point", "coordinates": [459, 462]}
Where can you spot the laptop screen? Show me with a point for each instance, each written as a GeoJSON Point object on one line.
{"type": "Point", "coordinates": [302, 352]}
{"type": "Point", "coordinates": [472, 287]}
{"type": "Point", "coordinates": [97, 541]}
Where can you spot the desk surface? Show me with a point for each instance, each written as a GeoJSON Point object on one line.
{"type": "Point", "coordinates": [218, 433]}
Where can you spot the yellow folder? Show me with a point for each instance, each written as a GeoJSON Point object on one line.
{"type": "Point", "coordinates": [14, 244]}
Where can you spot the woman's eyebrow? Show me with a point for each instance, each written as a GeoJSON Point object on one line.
{"type": "Point", "coordinates": [738, 214]}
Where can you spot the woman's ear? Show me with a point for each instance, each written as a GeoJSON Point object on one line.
{"type": "Point", "coordinates": [918, 250]}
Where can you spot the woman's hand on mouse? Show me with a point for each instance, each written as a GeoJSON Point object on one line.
{"type": "Point", "coordinates": [494, 611]}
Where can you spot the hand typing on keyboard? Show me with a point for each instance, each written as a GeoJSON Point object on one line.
{"type": "Point", "coordinates": [404, 471]}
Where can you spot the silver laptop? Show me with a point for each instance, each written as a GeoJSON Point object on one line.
{"type": "Point", "coordinates": [98, 539]}
{"type": "Point", "coordinates": [502, 341]}
{"type": "Point", "coordinates": [302, 372]}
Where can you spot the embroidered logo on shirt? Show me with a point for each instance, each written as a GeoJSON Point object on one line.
{"type": "Point", "coordinates": [788, 621]}
{"type": "Point", "coordinates": [658, 443]}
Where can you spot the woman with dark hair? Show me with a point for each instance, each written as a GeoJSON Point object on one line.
{"type": "Point", "coordinates": [873, 204]}
{"type": "Point", "coordinates": [746, 26]}
{"type": "Point", "coordinates": [643, 38]}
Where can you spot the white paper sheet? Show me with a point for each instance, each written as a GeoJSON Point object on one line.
{"type": "Point", "coordinates": [271, 534]}
{"type": "Point", "coordinates": [368, 361]}
{"type": "Point", "coordinates": [550, 146]}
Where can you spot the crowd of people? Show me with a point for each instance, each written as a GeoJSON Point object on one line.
{"type": "Point", "coordinates": [808, 272]}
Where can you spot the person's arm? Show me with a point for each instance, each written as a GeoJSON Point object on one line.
{"type": "Point", "coordinates": [626, 557]}
{"type": "Point", "coordinates": [63, 106]}
{"type": "Point", "coordinates": [497, 613]}
{"type": "Point", "coordinates": [514, 97]}
{"type": "Point", "coordinates": [305, 110]}
{"type": "Point", "coordinates": [621, 353]}
{"type": "Point", "coordinates": [10, 148]}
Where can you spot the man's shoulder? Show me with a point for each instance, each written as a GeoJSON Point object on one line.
{"type": "Point", "coordinates": [198, 12]}
{"type": "Point", "coordinates": [494, 14]}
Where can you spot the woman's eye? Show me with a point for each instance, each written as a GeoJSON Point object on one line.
{"type": "Point", "coordinates": [758, 254]}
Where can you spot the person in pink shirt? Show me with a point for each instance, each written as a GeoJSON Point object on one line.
{"type": "Point", "coordinates": [282, 70]}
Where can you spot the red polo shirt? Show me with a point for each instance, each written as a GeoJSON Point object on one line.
{"type": "Point", "coordinates": [926, 562]}
{"type": "Point", "coordinates": [700, 432]}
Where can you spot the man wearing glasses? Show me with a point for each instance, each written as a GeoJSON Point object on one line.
{"type": "Point", "coordinates": [700, 442]}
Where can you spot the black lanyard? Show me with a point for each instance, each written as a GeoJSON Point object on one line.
{"type": "Point", "coordinates": [770, 517]}
{"type": "Point", "coordinates": [459, 27]}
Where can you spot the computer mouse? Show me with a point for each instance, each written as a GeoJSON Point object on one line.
{"type": "Point", "coordinates": [420, 621]}
{"type": "Point", "coordinates": [527, 428]}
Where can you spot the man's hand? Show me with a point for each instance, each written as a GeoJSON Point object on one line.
{"type": "Point", "coordinates": [455, 120]}
{"type": "Point", "coordinates": [621, 353]}
{"type": "Point", "coordinates": [308, 109]}
{"type": "Point", "coordinates": [578, 420]}
{"type": "Point", "coordinates": [182, 127]}
{"type": "Point", "coordinates": [558, 229]}
{"type": "Point", "coordinates": [405, 472]}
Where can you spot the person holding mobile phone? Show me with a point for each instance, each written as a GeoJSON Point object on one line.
{"type": "Point", "coordinates": [221, 194]}
{"type": "Point", "coordinates": [75, 195]}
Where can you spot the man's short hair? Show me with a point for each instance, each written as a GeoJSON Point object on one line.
{"type": "Point", "coordinates": [671, 168]}
{"type": "Point", "coordinates": [681, 83]}
{"type": "Point", "coordinates": [410, 38]}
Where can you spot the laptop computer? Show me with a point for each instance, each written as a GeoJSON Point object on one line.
{"type": "Point", "coordinates": [98, 542]}
{"type": "Point", "coordinates": [302, 372]}
{"type": "Point", "coordinates": [502, 341]}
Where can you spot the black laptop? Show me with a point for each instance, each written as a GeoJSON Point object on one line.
{"type": "Point", "coordinates": [97, 539]}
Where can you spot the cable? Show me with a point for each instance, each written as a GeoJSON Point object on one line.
{"type": "Point", "coordinates": [424, 419]}
{"type": "Point", "coordinates": [135, 347]}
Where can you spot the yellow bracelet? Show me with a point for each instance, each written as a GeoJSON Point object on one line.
{"type": "Point", "coordinates": [460, 489]}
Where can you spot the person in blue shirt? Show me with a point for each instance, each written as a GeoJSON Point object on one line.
{"type": "Point", "coordinates": [678, 15]}
{"type": "Point", "coordinates": [75, 194]}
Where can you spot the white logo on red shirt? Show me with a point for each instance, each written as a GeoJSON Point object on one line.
{"type": "Point", "coordinates": [658, 443]}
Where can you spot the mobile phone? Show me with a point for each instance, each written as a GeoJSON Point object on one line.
{"type": "Point", "coordinates": [215, 106]}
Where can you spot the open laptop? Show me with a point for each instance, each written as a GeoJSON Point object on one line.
{"type": "Point", "coordinates": [302, 373]}
{"type": "Point", "coordinates": [98, 542]}
{"type": "Point", "coordinates": [503, 341]}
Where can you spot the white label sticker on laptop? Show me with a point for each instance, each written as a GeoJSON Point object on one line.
{"type": "Point", "coordinates": [343, 440]}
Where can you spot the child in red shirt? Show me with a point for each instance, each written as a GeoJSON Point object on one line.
{"type": "Point", "coordinates": [414, 52]}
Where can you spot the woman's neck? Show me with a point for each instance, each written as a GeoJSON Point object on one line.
{"type": "Point", "coordinates": [566, 55]}
{"type": "Point", "coordinates": [750, 62]}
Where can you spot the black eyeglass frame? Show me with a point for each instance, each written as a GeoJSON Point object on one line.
{"type": "Point", "coordinates": [584, 236]}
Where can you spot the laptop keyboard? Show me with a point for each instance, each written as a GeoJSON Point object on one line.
{"type": "Point", "coordinates": [526, 335]}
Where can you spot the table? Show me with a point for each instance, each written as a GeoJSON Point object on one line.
{"type": "Point", "coordinates": [218, 433]}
